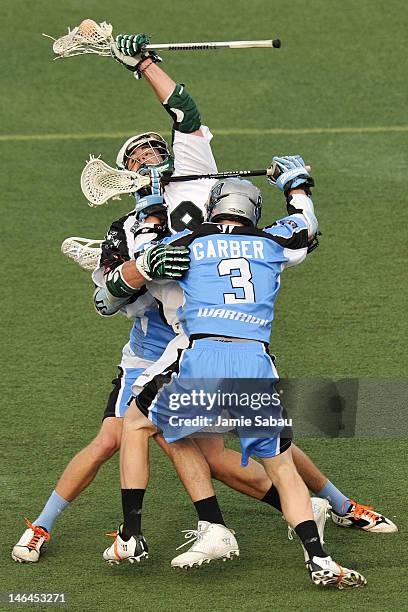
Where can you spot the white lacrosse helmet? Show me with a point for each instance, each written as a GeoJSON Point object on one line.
{"type": "Point", "coordinates": [236, 199]}
{"type": "Point", "coordinates": [160, 158]}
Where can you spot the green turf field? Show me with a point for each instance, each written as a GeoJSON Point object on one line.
{"type": "Point", "coordinates": [335, 92]}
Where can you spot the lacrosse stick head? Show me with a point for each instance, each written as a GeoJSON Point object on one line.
{"type": "Point", "coordinates": [100, 182]}
{"type": "Point", "coordinates": [144, 151]}
{"type": "Point", "coordinates": [88, 37]}
{"type": "Point", "coordinates": [83, 251]}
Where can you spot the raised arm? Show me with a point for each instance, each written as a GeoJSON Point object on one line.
{"type": "Point", "coordinates": [297, 232]}
{"type": "Point", "coordinates": [296, 183]}
{"type": "Point", "coordinates": [128, 51]}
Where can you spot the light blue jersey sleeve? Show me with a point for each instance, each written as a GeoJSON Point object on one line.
{"type": "Point", "coordinates": [291, 234]}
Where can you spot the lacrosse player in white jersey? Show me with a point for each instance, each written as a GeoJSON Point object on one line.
{"type": "Point", "coordinates": [149, 336]}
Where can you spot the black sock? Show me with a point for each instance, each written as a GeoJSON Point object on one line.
{"type": "Point", "coordinates": [209, 510]}
{"type": "Point", "coordinates": [307, 532]}
{"type": "Point", "coordinates": [132, 502]}
{"type": "Point", "coordinates": [272, 498]}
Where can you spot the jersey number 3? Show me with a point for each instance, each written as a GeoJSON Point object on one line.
{"type": "Point", "coordinates": [240, 281]}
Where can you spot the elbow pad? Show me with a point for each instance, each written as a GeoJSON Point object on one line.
{"type": "Point", "coordinates": [107, 304]}
{"type": "Point", "coordinates": [183, 110]}
{"type": "Point", "coordinates": [302, 204]}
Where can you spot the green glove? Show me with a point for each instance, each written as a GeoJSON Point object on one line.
{"type": "Point", "coordinates": [164, 261]}
{"type": "Point", "coordinates": [132, 44]}
{"type": "Point", "coordinates": [129, 50]}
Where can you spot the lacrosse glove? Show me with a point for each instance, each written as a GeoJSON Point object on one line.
{"type": "Point", "coordinates": [129, 50]}
{"type": "Point", "coordinates": [164, 262]}
{"type": "Point", "coordinates": [150, 200]}
{"type": "Point", "coordinates": [292, 174]}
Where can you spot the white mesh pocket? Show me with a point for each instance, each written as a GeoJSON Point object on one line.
{"type": "Point", "coordinates": [83, 251]}
{"type": "Point", "coordinates": [88, 37]}
{"type": "Point", "coordinates": [100, 182]}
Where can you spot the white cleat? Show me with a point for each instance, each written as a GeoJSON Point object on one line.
{"type": "Point", "coordinates": [211, 541]}
{"type": "Point", "coordinates": [365, 518]}
{"type": "Point", "coordinates": [320, 508]}
{"type": "Point", "coordinates": [133, 550]}
{"type": "Point", "coordinates": [28, 548]}
{"type": "Point", "coordinates": [326, 572]}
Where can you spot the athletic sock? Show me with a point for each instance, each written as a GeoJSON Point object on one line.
{"type": "Point", "coordinates": [307, 532]}
{"type": "Point", "coordinates": [132, 502]}
{"type": "Point", "coordinates": [51, 511]}
{"type": "Point", "coordinates": [209, 510]}
{"type": "Point", "coordinates": [272, 498]}
{"type": "Point", "coordinates": [339, 502]}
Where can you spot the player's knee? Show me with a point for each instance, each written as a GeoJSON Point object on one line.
{"type": "Point", "coordinates": [216, 464]}
{"type": "Point", "coordinates": [136, 421]}
{"type": "Point", "coordinates": [105, 445]}
{"type": "Point", "coordinates": [215, 455]}
{"type": "Point", "coordinates": [217, 460]}
{"type": "Point", "coordinates": [285, 472]}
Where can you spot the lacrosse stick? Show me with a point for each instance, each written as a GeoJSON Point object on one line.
{"type": "Point", "coordinates": [100, 182]}
{"type": "Point", "coordinates": [92, 37]}
{"type": "Point", "coordinates": [83, 251]}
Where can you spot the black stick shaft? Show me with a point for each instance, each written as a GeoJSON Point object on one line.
{"type": "Point", "coordinates": [215, 175]}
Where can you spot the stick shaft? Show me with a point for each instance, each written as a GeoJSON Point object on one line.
{"type": "Point", "coordinates": [226, 174]}
{"type": "Point", "coordinates": [215, 175]}
{"type": "Point", "coordinates": [204, 46]}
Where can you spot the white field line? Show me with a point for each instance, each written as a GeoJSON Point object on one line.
{"type": "Point", "coordinates": [221, 132]}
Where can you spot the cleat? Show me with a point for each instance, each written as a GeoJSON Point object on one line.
{"type": "Point", "coordinates": [28, 548]}
{"type": "Point", "coordinates": [320, 508]}
{"type": "Point", "coordinates": [134, 549]}
{"type": "Point", "coordinates": [365, 518]}
{"type": "Point", "coordinates": [326, 572]}
{"type": "Point", "coordinates": [211, 542]}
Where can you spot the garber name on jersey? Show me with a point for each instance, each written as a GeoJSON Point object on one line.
{"type": "Point", "coordinates": [221, 248]}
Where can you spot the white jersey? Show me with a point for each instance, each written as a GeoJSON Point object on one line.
{"type": "Point", "coordinates": [192, 155]}
{"type": "Point", "coordinates": [186, 200]}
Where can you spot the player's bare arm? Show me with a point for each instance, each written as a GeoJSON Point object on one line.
{"type": "Point", "coordinates": [128, 51]}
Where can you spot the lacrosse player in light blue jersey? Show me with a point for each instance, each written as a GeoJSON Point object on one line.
{"type": "Point", "coordinates": [226, 310]}
{"type": "Point", "coordinates": [184, 205]}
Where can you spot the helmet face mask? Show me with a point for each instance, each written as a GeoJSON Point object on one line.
{"type": "Point", "coordinates": [144, 151]}
{"type": "Point", "coordinates": [235, 199]}
{"type": "Point", "coordinates": [140, 153]}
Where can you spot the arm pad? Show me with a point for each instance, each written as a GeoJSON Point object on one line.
{"type": "Point", "coordinates": [107, 304]}
{"type": "Point", "coordinates": [117, 286]}
{"type": "Point", "coordinates": [302, 204]}
{"type": "Point", "coordinates": [183, 110]}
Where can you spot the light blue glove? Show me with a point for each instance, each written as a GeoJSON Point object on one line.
{"type": "Point", "coordinates": [155, 199]}
{"type": "Point", "coordinates": [293, 173]}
